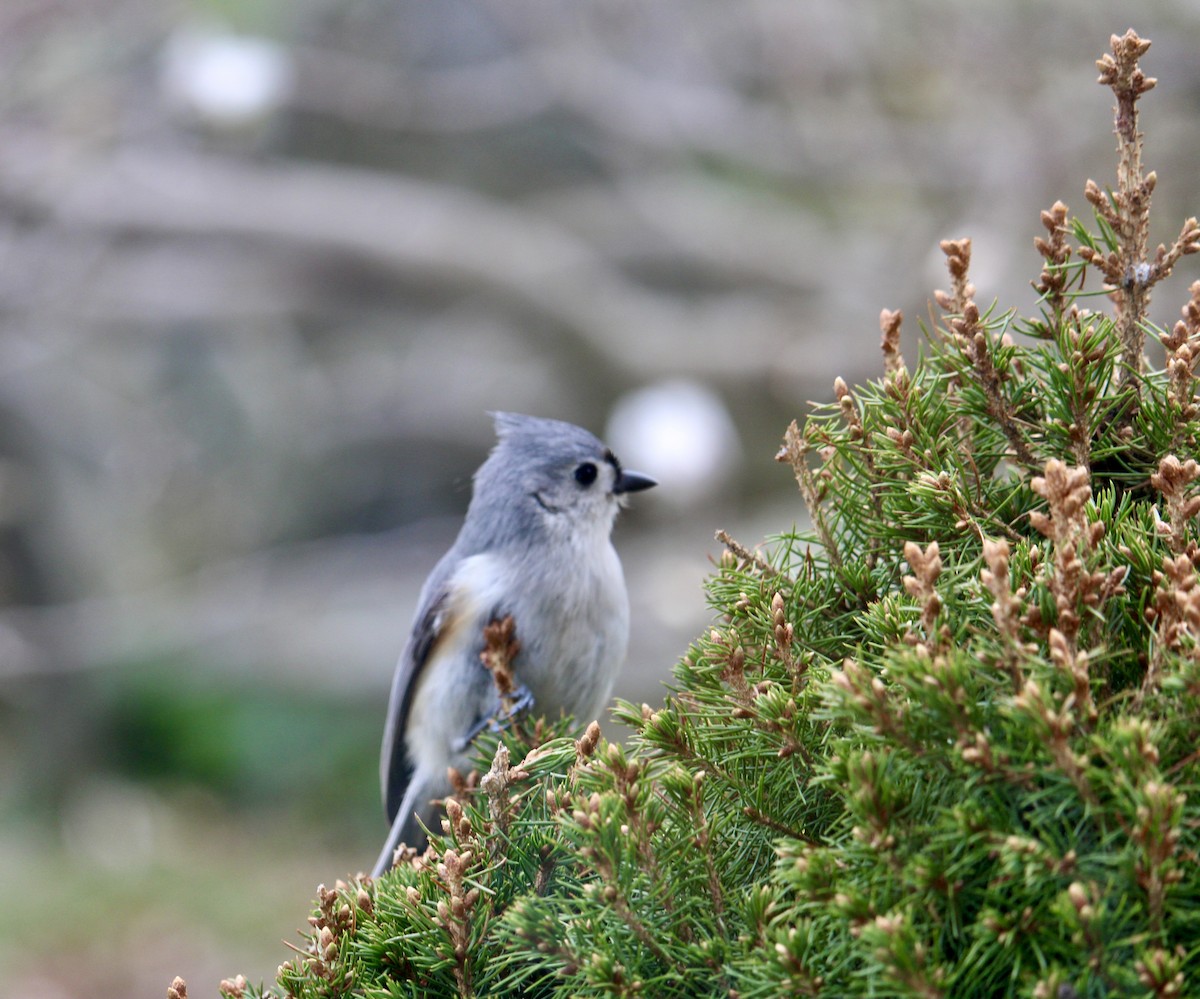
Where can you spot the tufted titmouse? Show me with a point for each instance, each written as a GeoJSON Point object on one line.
{"type": "Point", "coordinates": [536, 545]}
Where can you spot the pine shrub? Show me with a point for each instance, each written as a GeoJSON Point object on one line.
{"type": "Point", "coordinates": [942, 745]}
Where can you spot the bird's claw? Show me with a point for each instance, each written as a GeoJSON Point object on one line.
{"type": "Point", "coordinates": [519, 702]}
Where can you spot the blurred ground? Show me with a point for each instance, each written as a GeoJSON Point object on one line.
{"type": "Point", "coordinates": [263, 268]}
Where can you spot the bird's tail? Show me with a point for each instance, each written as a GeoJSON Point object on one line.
{"type": "Point", "coordinates": [415, 814]}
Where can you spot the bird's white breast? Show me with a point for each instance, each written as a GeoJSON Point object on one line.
{"type": "Point", "coordinates": [571, 613]}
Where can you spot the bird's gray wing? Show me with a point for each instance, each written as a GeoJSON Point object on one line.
{"type": "Point", "coordinates": [395, 768]}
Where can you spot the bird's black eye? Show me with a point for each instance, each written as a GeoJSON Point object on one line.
{"type": "Point", "coordinates": [585, 474]}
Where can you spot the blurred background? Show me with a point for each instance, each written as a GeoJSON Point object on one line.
{"type": "Point", "coordinates": [266, 264]}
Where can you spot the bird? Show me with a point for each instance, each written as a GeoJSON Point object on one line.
{"type": "Point", "coordinates": [535, 546]}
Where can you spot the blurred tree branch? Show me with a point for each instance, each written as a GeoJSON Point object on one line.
{"type": "Point", "coordinates": [422, 228]}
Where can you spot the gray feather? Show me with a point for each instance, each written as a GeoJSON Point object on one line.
{"type": "Point", "coordinates": [414, 813]}
{"type": "Point", "coordinates": [535, 543]}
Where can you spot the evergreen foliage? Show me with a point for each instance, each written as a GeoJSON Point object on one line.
{"type": "Point", "coordinates": [946, 745]}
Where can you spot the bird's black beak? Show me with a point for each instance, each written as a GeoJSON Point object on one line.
{"type": "Point", "coordinates": [632, 482]}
